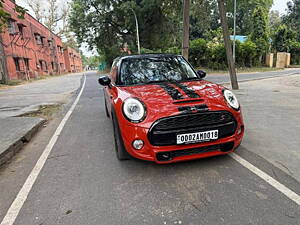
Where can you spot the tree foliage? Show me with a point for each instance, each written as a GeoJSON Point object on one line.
{"type": "Point", "coordinates": [107, 25]}
{"type": "Point", "coordinates": [245, 11]}
{"type": "Point", "coordinates": [260, 35]}
{"type": "Point", "coordinates": [53, 13]}
{"type": "Point", "coordinates": [292, 19]}
{"type": "Point", "coordinates": [283, 37]}
{"type": "Point", "coordinates": [5, 16]}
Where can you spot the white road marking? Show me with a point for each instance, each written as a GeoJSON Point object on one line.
{"type": "Point", "coordinates": [20, 199]}
{"type": "Point", "coordinates": [270, 180]}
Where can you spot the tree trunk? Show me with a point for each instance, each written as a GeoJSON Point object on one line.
{"type": "Point", "coordinates": [228, 45]}
{"type": "Point", "coordinates": [3, 65]}
{"type": "Point", "coordinates": [186, 29]}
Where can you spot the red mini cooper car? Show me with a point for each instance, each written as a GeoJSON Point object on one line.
{"type": "Point", "coordinates": [163, 111]}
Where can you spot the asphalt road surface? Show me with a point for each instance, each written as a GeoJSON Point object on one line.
{"type": "Point", "coordinates": [220, 78]}
{"type": "Point", "coordinates": [82, 182]}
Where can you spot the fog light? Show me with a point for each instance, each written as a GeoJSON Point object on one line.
{"type": "Point", "coordinates": [138, 144]}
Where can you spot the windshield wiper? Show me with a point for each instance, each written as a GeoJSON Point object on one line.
{"type": "Point", "coordinates": [155, 81]}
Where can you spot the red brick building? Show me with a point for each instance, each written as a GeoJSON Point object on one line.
{"type": "Point", "coordinates": [29, 49]}
{"type": "Point", "coordinates": [73, 60]}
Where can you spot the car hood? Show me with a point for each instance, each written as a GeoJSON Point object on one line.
{"type": "Point", "coordinates": [168, 99]}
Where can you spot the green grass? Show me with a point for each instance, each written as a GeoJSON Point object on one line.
{"type": "Point", "coordinates": [294, 66]}
{"type": "Point", "coordinates": [242, 70]}
{"type": "Point", "coordinates": [13, 83]}
{"type": "Point", "coordinates": [45, 111]}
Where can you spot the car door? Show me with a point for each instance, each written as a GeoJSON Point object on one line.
{"type": "Point", "coordinates": [110, 92]}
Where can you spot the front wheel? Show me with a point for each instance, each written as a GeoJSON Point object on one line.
{"type": "Point", "coordinates": [121, 152]}
{"type": "Point", "coordinates": [105, 105]}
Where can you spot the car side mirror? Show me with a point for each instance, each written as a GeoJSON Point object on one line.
{"type": "Point", "coordinates": [201, 73]}
{"type": "Point", "coordinates": [104, 81]}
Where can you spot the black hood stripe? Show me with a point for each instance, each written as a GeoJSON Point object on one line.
{"type": "Point", "coordinates": [189, 91]}
{"type": "Point", "coordinates": [173, 92]}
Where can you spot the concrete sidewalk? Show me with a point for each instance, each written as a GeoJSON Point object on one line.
{"type": "Point", "coordinates": [28, 97]}
{"type": "Point", "coordinates": [271, 110]}
{"type": "Point", "coordinates": [17, 131]}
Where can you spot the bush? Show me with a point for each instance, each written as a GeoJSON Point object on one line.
{"type": "Point", "coordinates": [295, 52]}
{"type": "Point", "coordinates": [173, 50]}
{"type": "Point", "coordinates": [197, 52]}
{"type": "Point", "coordinates": [147, 51]}
{"type": "Point", "coordinates": [247, 54]}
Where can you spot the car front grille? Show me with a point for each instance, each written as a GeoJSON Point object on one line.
{"type": "Point", "coordinates": [164, 131]}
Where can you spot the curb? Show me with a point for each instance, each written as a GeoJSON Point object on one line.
{"type": "Point", "coordinates": [15, 147]}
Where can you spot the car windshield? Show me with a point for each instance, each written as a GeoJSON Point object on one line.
{"type": "Point", "coordinates": [154, 70]}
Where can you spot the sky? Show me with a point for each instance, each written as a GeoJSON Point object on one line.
{"type": "Point", "coordinates": [280, 5]}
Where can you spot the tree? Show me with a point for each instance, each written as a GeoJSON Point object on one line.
{"type": "Point", "coordinates": [52, 13]}
{"type": "Point", "coordinates": [204, 18]}
{"type": "Point", "coordinates": [245, 10]}
{"type": "Point", "coordinates": [38, 9]}
{"type": "Point", "coordinates": [260, 33]}
{"type": "Point", "coordinates": [292, 19]}
{"type": "Point", "coordinates": [283, 37]}
{"type": "Point", "coordinates": [107, 25]}
{"type": "Point", "coordinates": [275, 21]}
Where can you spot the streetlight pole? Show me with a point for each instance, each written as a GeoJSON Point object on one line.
{"type": "Point", "coordinates": [234, 32]}
{"type": "Point", "coordinates": [137, 32]}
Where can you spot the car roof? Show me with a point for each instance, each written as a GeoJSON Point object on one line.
{"type": "Point", "coordinates": [145, 56]}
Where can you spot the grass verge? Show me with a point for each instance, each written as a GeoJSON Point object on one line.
{"type": "Point", "coordinates": [242, 70]}
{"type": "Point", "coordinates": [45, 111]}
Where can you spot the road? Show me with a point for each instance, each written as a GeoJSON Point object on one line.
{"type": "Point", "coordinates": [28, 97]}
{"type": "Point", "coordinates": [82, 182]}
{"type": "Point", "coordinates": [220, 78]}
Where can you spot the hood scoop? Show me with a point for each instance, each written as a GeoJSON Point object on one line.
{"type": "Point", "coordinates": [193, 109]}
{"type": "Point", "coordinates": [188, 101]}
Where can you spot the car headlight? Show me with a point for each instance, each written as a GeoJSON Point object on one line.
{"type": "Point", "coordinates": [231, 99]}
{"type": "Point", "coordinates": [134, 110]}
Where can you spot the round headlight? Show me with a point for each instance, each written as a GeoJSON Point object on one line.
{"type": "Point", "coordinates": [134, 110]}
{"type": "Point", "coordinates": [231, 99]}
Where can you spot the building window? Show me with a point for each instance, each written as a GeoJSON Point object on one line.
{"type": "Point", "coordinates": [38, 39]}
{"type": "Point", "coordinates": [50, 44]}
{"type": "Point", "coordinates": [17, 64]}
{"type": "Point", "coordinates": [21, 29]}
{"type": "Point", "coordinates": [45, 66]}
{"type": "Point", "coordinates": [26, 61]}
{"type": "Point", "coordinates": [41, 65]}
{"type": "Point", "coordinates": [12, 26]}
{"type": "Point", "coordinates": [42, 40]}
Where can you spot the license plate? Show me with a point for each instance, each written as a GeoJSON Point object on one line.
{"type": "Point", "coordinates": [197, 137]}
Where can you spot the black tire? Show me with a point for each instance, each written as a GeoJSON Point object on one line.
{"type": "Point", "coordinates": [106, 110]}
{"type": "Point", "coordinates": [105, 104]}
{"type": "Point", "coordinates": [121, 152]}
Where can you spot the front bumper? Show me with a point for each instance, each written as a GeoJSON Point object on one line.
{"type": "Point", "coordinates": [178, 153]}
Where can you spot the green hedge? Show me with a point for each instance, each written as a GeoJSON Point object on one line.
{"type": "Point", "coordinates": [213, 54]}
{"type": "Point", "coordinates": [295, 52]}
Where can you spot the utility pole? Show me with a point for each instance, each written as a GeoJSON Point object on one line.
{"type": "Point", "coordinates": [228, 46]}
{"type": "Point", "coordinates": [137, 32]}
{"type": "Point", "coordinates": [234, 32]}
{"type": "Point", "coordinates": [186, 29]}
